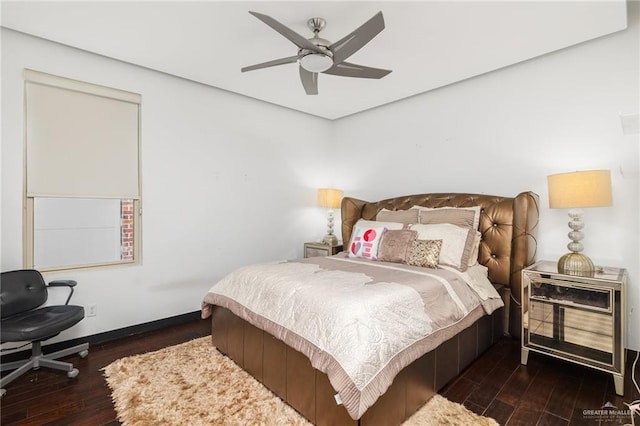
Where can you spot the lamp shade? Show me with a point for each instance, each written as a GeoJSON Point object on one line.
{"type": "Point", "coordinates": [329, 198]}
{"type": "Point", "coordinates": [589, 188]}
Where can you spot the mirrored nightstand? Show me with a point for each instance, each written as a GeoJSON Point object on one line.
{"type": "Point", "coordinates": [316, 249]}
{"type": "Point", "coordinates": [578, 319]}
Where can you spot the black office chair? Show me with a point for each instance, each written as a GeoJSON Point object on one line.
{"type": "Point", "coordinates": [22, 293]}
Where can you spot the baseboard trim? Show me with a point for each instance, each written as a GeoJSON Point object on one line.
{"type": "Point", "coordinates": [108, 336]}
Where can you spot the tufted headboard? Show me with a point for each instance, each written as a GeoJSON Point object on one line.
{"type": "Point", "coordinates": [508, 227]}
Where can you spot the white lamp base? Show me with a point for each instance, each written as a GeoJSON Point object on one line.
{"type": "Point", "coordinates": [330, 239]}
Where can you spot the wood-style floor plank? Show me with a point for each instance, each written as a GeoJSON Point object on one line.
{"type": "Point", "coordinates": [498, 410]}
{"type": "Point", "coordinates": [48, 397]}
{"type": "Point", "coordinates": [546, 392]}
{"type": "Point", "coordinates": [548, 419]}
{"type": "Point", "coordinates": [489, 387]}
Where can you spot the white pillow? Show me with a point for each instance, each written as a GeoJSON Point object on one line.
{"type": "Point", "coordinates": [457, 242]}
{"type": "Point", "coordinates": [365, 241]}
{"type": "Point", "coordinates": [376, 223]}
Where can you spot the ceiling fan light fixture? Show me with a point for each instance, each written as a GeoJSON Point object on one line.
{"type": "Point", "coordinates": [317, 55]}
{"type": "Point", "coordinates": [316, 62]}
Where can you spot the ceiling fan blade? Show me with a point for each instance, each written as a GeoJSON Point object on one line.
{"type": "Point", "coordinates": [346, 69]}
{"type": "Point", "coordinates": [309, 81]}
{"type": "Point", "coordinates": [350, 44]}
{"type": "Point", "coordinates": [281, 61]}
{"type": "Point", "coordinates": [291, 35]}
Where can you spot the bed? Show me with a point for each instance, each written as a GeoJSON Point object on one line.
{"type": "Point", "coordinates": [334, 378]}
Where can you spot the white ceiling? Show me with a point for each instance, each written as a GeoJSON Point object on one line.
{"type": "Point", "coordinates": [427, 44]}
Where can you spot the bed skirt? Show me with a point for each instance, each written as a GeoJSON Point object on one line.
{"type": "Point", "coordinates": [289, 374]}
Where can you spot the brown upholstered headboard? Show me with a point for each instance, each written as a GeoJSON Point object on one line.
{"type": "Point", "coordinates": [508, 227]}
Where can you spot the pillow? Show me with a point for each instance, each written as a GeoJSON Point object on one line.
{"type": "Point", "coordinates": [457, 242]}
{"type": "Point", "coordinates": [376, 223]}
{"type": "Point", "coordinates": [461, 216]}
{"type": "Point", "coordinates": [394, 245]}
{"type": "Point", "coordinates": [424, 253]}
{"type": "Point", "coordinates": [406, 217]}
{"type": "Point", "coordinates": [475, 249]}
{"type": "Point", "coordinates": [364, 242]}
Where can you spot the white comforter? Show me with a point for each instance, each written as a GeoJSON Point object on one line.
{"type": "Point", "coordinates": [358, 321]}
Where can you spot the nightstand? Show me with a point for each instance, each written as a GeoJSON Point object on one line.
{"type": "Point", "coordinates": [578, 319]}
{"type": "Point", "coordinates": [320, 249]}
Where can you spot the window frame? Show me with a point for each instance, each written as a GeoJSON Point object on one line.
{"type": "Point", "coordinates": [31, 76]}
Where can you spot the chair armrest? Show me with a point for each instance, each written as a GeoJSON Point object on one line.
{"type": "Point", "coordinates": [64, 283]}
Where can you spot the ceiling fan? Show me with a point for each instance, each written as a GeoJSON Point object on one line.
{"type": "Point", "coordinates": [317, 55]}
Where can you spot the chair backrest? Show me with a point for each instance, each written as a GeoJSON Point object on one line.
{"type": "Point", "coordinates": [21, 291]}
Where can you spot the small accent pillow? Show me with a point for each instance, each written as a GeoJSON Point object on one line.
{"type": "Point", "coordinates": [402, 216]}
{"type": "Point", "coordinates": [424, 253]}
{"type": "Point", "coordinates": [394, 245]}
{"type": "Point", "coordinates": [364, 242]}
{"type": "Point", "coordinates": [457, 242]}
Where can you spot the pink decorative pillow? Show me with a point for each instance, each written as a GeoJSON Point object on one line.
{"type": "Point", "coordinates": [364, 242]}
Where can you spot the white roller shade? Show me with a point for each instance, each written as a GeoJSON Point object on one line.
{"type": "Point", "coordinates": [82, 139]}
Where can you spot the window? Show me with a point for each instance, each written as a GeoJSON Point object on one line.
{"type": "Point", "coordinates": [82, 174]}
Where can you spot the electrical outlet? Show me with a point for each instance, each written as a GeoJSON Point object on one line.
{"type": "Point", "coordinates": [92, 310]}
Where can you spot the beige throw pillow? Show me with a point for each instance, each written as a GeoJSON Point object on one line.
{"type": "Point", "coordinates": [394, 246]}
{"type": "Point", "coordinates": [460, 216]}
{"type": "Point", "coordinates": [401, 216]}
{"type": "Point", "coordinates": [453, 216]}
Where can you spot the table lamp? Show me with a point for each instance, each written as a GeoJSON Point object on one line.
{"type": "Point", "coordinates": [330, 198]}
{"type": "Point", "coordinates": [575, 190]}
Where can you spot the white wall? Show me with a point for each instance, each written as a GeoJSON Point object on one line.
{"type": "Point", "coordinates": [502, 133]}
{"type": "Point", "coordinates": [226, 181]}
{"type": "Point", "coordinates": [229, 181]}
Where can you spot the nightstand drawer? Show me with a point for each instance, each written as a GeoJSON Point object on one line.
{"type": "Point", "coordinates": [597, 324]}
{"type": "Point", "coordinates": [571, 294]}
{"type": "Point", "coordinates": [588, 339]}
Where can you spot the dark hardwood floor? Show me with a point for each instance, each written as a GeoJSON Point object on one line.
{"type": "Point", "coordinates": [48, 397]}
{"type": "Point", "coordinates": [545, 392]}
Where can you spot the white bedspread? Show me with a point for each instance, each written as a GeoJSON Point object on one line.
{"type": "Point", "coordinates": [358, 321]}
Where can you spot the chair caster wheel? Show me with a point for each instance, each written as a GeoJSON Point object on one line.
{"type": "Point", "coordinates": [2, 392]}
{"type": "Point", "coordinates": [83, 354]}
{"type": "Point", "coordinates": [73, 373]}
